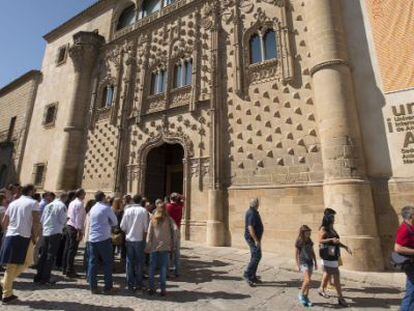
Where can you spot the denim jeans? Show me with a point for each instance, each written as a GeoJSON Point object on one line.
{"type": "Point", "coordinates": [408, 300]}
{"type": "Point", "coordinates": [104, 250]}
{"type": "Point", "coordinates": [256, 256]}
{"type": "Point", "coordinates": [48, 250]}
{"type": "Point", "coordinates": [135, 259]}
{"type": "Point", "coordinates": [158, 260]}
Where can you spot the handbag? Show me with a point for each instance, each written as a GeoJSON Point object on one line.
{"type": "Point", "coordinates": [117, 239]}
{"type": "Point", "coordinates": [329, 252]}
{"type": "Point", "coordinates": [399, 262]}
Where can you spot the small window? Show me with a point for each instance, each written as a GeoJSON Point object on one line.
{"type": "Point", "coordinates": [50, 115]}
{"type": "Point", "coordinates": [108, 96]}
{"type": "Point", "coordinates": [127, 18]}
{"type": "Point", "coordinates": [39, 174]}
{"type": "Point", "coordinates": [263, 48]}
{"type": "Point", "coordinates": [12, 125]}
{"type": "Point", "coordinates": [255, 49]}
{"type": "Point", "coordinates": [158, 82]}
{"type": "Point", "coordinates": [150, 6]}
{"type": "Point", "coordinates": [270, 45]}
{"type": "Point", "coordinates": [62, 55]}
{"type": "Point", "coordinates": [183, 73]}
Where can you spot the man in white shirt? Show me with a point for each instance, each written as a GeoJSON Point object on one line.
{"type": "Point", "coordinates": [53, 220]}
{"type": "Point", "coordinates": [74, 232]}
{"type": "Point", "coordinates": [17, 250]}
{"type": "Point", "coordinates": [135, 225]}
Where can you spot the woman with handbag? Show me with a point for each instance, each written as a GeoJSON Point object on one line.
{"type": "Point", "coordinates": [160, 242]}
{"type": "Point", "coordinates": [329, 251]}
{"type": "Point", "coordinates": [118, 236]}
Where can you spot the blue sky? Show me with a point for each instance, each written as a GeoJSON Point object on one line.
{"type": "Point", "coordinates": [22, 26]}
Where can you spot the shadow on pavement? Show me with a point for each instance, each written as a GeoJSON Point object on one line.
{"type": "Point", "coordinates": [67, 306]}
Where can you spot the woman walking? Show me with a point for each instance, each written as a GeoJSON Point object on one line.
{"type": "Point", "coordinates": [306, 261]}
{"type": "Point", "coordinates": [160, 242]}
{"type": "Point", "coordinates": [330, 245]}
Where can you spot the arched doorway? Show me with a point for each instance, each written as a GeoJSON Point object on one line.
{"type": "Point", "coordinates": [164, 171]}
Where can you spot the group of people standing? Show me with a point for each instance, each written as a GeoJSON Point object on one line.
{"type": "Point", "coordinates": [330, 247]}
{"type": "Point", "coordinates": [46, 232]}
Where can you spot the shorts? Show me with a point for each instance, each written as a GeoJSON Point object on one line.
{"type": "Point", "coordinates": [304, 267]}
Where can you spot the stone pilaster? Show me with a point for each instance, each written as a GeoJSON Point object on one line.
{"type": "Point", "coordinates": [346, 188]}
{"type": "Point", "coordinates": [216, 228]}
{"type": "Point", "coordinates": [83, 54]}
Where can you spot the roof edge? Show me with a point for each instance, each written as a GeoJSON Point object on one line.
{"type": "Point", "coordinates": [23, 78]}
{"type": "Point", "coordinates": [62, 27]}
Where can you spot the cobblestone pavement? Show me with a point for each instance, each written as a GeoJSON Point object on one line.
{"type": "Point", "coordinates": [211, 280]}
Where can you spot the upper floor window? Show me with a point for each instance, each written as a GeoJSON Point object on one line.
{"type": "Point", "coordinates": [158, 82]}
{"type": "Point", "coordinates": [62, 55]}
{"type": "Point", "coordinates": [127, 17]}
{"type": "Point", "coordinates": [12, 125]}
{"type": "Point", "coordinates": [108, 96]}
{"type": "Point", "coordinates": [183, 73]}
{"type": "Point", "coordinates": [263, 47]}
{"type": "Point", "coordinates": [39, 171]}
{"type": "Point", "coordinates": [50, 115]}
{"type": "Point", "coordinates": [151, 6]}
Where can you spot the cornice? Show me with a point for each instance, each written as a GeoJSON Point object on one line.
{"type": "Point", "coordinates": [88, 12]}
{"type": "Point", "coordinates": [32, 74]}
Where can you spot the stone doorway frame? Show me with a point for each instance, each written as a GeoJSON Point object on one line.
{"type": "Point", "coordinates": [168, 137]}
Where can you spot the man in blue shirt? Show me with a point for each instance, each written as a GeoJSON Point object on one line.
{"type": "Point", "coordinates": [253, 235]}
{"type": "Point", "coordinates": [53, 220]}
{"type": "Point", "coordinates": [101, 221]}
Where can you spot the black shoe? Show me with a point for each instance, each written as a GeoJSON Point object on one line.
{"type": "Point", "coordinates": [72, 275]}
{"type": "Point", "coordinates": [9, 299]}
{"type": "Point", "coordinates": [342, 302]}
{"type": "Point", "coordinates": [257, 280]}
{"type": "Point", "coordinates": [151, 292]}
{"type": "Point", "coordinates": [110, 291]}
{"type": "Point", "coordinates": [95, 291]}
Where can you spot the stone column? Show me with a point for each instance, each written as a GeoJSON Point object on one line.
{"type": "Point", "coordinates": [216, 228]}
{"type": "Point", "coordinates": [346, 187]}
{"type": "Point", "coordinates": [83, 54]}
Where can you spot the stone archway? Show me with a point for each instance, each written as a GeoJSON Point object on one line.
{"type": "Point", "coordinates": [138, 172]}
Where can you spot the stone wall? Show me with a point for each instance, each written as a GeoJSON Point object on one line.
{"type": "Point", "coordinates": [16, 100]}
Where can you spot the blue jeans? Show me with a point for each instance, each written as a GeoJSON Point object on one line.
{"type": "Point", "coordinates": [135, 259]}
{"type": "Point", "coordinates": [256, 256]}
{"type": "Point", "coordinates": [408, 300]}
{"type": "Point", "coordinates": [159, 260]}
{"type": "Point", "coordinates": [104, 250]}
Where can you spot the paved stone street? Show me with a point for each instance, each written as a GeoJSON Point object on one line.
{"type": "Point", "coordinates": [211, 280]}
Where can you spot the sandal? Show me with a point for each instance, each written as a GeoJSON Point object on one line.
{"type": "Point", "coordinates": [323, 294]}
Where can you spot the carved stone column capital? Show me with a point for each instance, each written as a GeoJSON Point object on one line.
{"type": "Point", "coordinates": [84, 50]}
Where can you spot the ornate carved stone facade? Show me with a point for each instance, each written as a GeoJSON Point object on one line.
{"type": "Point", "coordinates": [259, 95]}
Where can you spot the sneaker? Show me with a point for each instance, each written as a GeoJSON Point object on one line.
{"type": "Point", "coordinates": [323, 294]}
{"type": "Point", "coordinates": [342, 302]}
{"type": "Point", "coordinates": [302, 300]}
{"type": "Point", "coordinates": [9, 299]}
{"type": "Point", "coordinates": [257, 280]}
{"type": "Point", "coordinates": [308, 302]}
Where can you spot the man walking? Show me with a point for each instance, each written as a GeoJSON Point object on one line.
{"type": "Point", "coordinates": [135, 225]}
{"type": "Point", "coordinates": [101, 220]}
{"type": "Point", "coordinates": [253, 235]}
{"type": "Point", "coordinates": [17, 250]}
{"type": "Point", "coordinates": [74, 232]}
{"type": "Point", "coordinates": [175, 211]}
{"type": "Point", "coordinates": [53, 220]}
{"type": "Point", "coordinates": [404, 245]}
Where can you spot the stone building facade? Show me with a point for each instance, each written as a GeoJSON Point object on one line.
{"type": "Point", "coordinates": [16, 105]}
{"type": "Point", "coordinates": [224, 101]}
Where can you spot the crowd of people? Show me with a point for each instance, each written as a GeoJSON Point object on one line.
{"type": "Point", "coordinates": [45, 231]}
{"type": "Point", "coordinates": [330, 246]}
